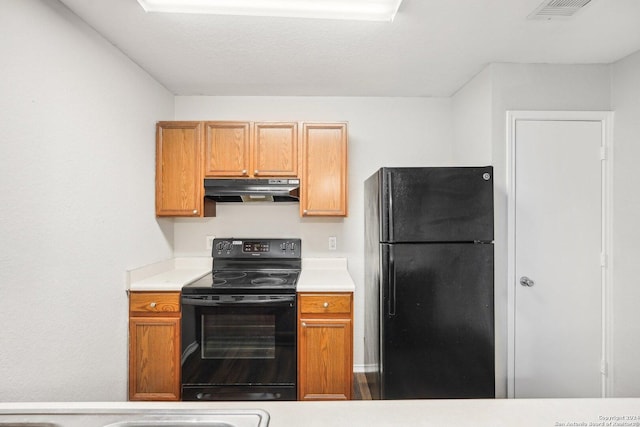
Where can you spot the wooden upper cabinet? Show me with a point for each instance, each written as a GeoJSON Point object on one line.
{"type": "Point", "coordinates": [227, 149]}
{"type": "Point", "coordinates": [179, 169]}
{"type": "Point", "coordinates": [324, 169]}
{"type": "Point", "coordinates": [188, 151]}
{"type": "Point", "coordinates": [245, 150]}
{"type": "Point", "coordinates": [275, 150]}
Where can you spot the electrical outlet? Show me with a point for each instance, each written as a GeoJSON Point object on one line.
{"type": "Point", "coordinates": [210, 242]}
{"type": "Point", "coordinates": [333, 243]}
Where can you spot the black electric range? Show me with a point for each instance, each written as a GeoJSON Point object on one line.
{"type": "Point", "coordinates": [239, 323]}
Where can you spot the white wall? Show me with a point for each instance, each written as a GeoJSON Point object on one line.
{"type": "Point", "coordinates": [382, 132]}
{"type": "Point", "coordinates": [626, 232]}
{"type": "Point", "coordinates": [77, 187]}
{"type": "Point", "coordinates": [472, 118]}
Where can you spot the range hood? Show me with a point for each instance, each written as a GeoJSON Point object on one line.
{"type": "Point", "coordinates": [252, 190]}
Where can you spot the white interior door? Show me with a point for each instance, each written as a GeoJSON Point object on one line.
{"type": "Point", "coordinates": [557, 264]}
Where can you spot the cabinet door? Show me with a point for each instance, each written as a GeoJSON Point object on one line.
{"type": "Point", "coordinates": [154, 358]}
{"type": "Point", "coordinates": [275, 150]}
{"type": "Point", "coordinates": [325, 369]}
{"type": "Point", "coordinates": [324, 176]}
{"type": "Point", "coordinates": [179, 169]}
{"type": "Point", "coordinates": [227, 149]}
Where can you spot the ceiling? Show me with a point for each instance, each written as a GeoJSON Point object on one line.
{"type": "Point", "coordinates": [432, 48]}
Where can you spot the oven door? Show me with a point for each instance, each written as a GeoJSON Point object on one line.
{"type": "Point", "coordinates": [239, 347]}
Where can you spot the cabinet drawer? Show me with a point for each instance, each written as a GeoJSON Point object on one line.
{"type": "Point", "coordinates": [154, 302]}
{"type": "Point", "coordinates": [325, 303]}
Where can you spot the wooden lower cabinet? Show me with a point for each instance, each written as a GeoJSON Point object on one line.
{"type": "Point", "coordinates": [325, 346]}
{"type": "Point", "coordinates": [154, 346]}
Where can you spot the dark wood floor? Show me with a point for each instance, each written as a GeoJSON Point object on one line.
{"type": "Point", "coordinates": [360, 387]}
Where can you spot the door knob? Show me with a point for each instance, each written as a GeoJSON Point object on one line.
{"type": "Point", "coordinates": [525, 281]}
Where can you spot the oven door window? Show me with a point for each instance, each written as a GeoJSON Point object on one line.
{"type": "Point", "coordinates": [233, 336]}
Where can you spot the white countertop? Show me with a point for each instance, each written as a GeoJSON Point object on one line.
{"type": "Point", "coordinates": [325, 275]}
{"type": "Point", "coordinates": [169, 275]}
{"type": "Point", "coordinates": [317, 275]}
{"type": "Point", "coordinates": [427, 413]}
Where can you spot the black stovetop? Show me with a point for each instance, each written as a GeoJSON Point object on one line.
{"type": "Point", "coordinates": [259, 281]}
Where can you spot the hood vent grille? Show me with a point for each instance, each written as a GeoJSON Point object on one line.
{"type": "Point", "coordinates": [558, 9]}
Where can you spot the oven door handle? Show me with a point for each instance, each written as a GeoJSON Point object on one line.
{"type": "Point", "coordinates": [225, 300]}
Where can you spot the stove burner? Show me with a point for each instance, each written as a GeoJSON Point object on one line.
{"type": "Point", "coordinates": [219, 281]}
{"type": "Point", "coordinates": [281, 274]}
{"type": "Point", "coordinates": [268, 281]}
{"type": "Point", "coordinates": [229, 275]}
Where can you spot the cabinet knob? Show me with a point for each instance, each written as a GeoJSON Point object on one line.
{"type": "Point", "coordinates": [244, 171]}
{"type": "Point", "coordinates": [304, 324]}
{"type": "Point", "coordinates": [325, 305]}
{"type": "Point", "coordinates": [256, 172]}
{"type": "Point", "coordinates": [195, 211]}
{"type": "Point", "coordinates": [153, 305]}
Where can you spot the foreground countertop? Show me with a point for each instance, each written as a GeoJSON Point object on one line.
{"type": "Point", "coordinates": [431, 413]}
{"type": "Point", "coordinates": [317, 275]}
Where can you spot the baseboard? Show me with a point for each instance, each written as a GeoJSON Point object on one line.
{"type": "Point", "coordinates": [364, 368]}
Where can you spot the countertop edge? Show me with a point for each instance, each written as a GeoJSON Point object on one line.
{"type": "Point", "coordinates": [461, 412]}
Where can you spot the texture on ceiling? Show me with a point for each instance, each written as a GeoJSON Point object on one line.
{"type": "Point", "coordinates": [432, 48]}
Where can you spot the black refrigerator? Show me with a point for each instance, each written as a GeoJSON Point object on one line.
{"type": "Point", "coordinates": [429, 317]}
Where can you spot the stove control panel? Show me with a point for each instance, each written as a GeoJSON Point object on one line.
{"type": "Point", "coordinates": [252, 248]}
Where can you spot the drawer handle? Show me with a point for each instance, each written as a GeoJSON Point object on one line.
{"type": "Point", "coordinates": [325, 305]}
{"type": "Point", "coordinates": [153, 305]}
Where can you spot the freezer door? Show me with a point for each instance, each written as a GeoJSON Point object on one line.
{"type": "Point", "coordinates": [443, 204]}
{"type": "Point", "coordinates": [437, 326]}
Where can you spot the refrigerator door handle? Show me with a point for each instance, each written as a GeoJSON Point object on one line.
{"type": "Point", "coordinates": [390, 200]}
{"type": "Point", "coordinates": [392, 284]}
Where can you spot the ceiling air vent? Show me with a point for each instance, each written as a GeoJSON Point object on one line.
{"type": "Point", "coordinates": [558, 9]}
